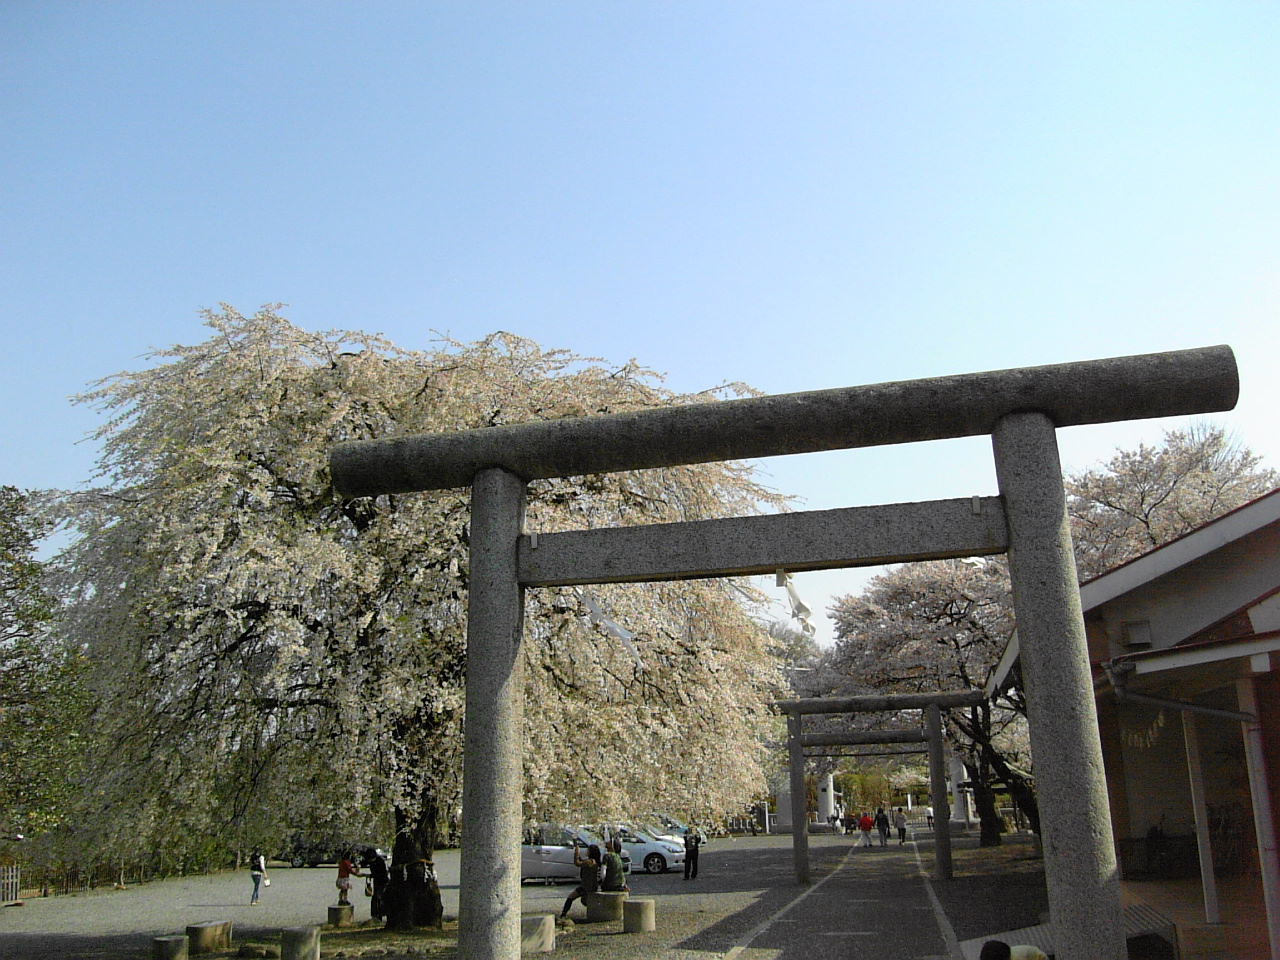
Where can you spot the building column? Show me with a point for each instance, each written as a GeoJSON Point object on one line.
{"type": "Point", "coordinates": [1208, 882]}
{"type": "Point", "coordinates": [492, 782]}
{"type": "Point", "coordinates": [1080, 860]}
{"type": "Point", "coordinates": [1260, 790]}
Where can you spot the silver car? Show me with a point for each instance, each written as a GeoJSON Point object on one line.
{"type": "Point", "coordinates": [547, 852]}
{"type": "Point", "coordinates": [657, 854]}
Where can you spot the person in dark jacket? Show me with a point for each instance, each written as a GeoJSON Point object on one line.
{"type": "Point", "coordinates": [882, 826]}
{"type": "Point", "coordinates": [376, 864]}
{"type": "Point", "coordinates": [692, 841]}
{"type": "Point", "coordinates": [588, 873]}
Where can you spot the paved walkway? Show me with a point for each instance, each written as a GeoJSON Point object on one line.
{"type": "Point", "coordinates": [863, 903]}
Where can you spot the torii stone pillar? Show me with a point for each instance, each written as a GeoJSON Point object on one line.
{"type": "Point", "coordinates": [489, 892]}
{"type": "Point", "coordinates": [1075, 819]}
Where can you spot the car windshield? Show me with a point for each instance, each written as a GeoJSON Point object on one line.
{"type": "Point", "coordinates": [653, 830]}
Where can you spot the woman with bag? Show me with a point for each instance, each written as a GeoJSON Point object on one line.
{"type": "Point", "coordinates": [257, 873]}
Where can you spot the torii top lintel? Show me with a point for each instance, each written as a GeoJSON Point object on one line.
{"type": "Point", "coordinates": [1179, 382]}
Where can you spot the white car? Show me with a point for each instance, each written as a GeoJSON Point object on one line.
{"type": "Point", "coordinates": [547, 852]}
{"type": "Point", "coordinates": [657, 854]}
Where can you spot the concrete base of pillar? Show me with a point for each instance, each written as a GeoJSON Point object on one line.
{"type": "Point", "coordinates": [639, 916]}
{"type": "Point", "coordinates": [537, 933]}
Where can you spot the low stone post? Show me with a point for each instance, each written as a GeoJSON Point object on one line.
{"type": "Point", "coordinates": [341, 915]}
{"type": "Point", "coordinates": [639, 916]}
{"type": "Point", "coordinates": [537, 933]}
{"type": "Point", "coordinates": [169, 948]}
{"type": "Point", "coordinates": [300, 943]}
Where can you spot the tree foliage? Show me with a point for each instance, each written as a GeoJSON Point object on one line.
{"type": "Point", "coordinates": [41, 702]}
{"type": "Point", "coordinates": [269, 654]}
{"type": "Point", "coordinates": [943, 625]}
{"type": "Point", "coordinates": [1147, 496]}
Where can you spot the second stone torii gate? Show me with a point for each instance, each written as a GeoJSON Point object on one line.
{"type": "Point", "coordinates": [1020, 409]}
{"type": "Point", "coordinates": [797, 740]}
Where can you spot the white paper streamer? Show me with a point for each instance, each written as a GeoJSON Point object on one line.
{"type": "Point", "coordinates": [622, 633]}
{"type": "Point", "coordinates": [799, 610]}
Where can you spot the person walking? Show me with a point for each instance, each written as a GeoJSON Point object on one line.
{"type": "Point", "coordinates": [865, 823]}
{"type": "Point", "coordinates": [588, 876]}
{"type": "Point", "coordinates": [882, 826]}
{"type": "Point", "coordinates": [257, 873]}
{"type": "Point", "coordinates": [346, 870]}
{"type": "Point", "coordinates": [900, 821]}
{"type": "Point", "coordinates": [692, 841]}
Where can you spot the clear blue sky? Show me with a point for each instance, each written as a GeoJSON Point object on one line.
{"type": "Point", "coordinates": [796, 195]}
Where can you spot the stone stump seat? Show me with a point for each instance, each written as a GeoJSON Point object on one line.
{"type": "Point", "coordinates": [342, 915]}
{"type": "Point", "coordinates": [639, 916]}
{"type": "Point", "coordinates": [209, 937]}
{"type": "Point", "coordinates": [604, 905]}
{"type": "Point", "coordinates": [170, 948]}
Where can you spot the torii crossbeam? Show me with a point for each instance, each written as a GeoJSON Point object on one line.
{"type": "Point", "coordinates": [1020, 409]}
{"type": "Point", "coordinates": [797, 740]}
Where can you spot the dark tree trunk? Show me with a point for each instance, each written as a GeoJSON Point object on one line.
{"type": "Point", "coordinates": [984, 798]}
{"type": "Point", "coordinates": [976, 725]}
{"type": "Point", "coordinates": [413, 895]}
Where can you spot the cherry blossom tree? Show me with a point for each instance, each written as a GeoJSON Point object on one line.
{"type": "Point", "coordinates": [1147, 496]}
{"type": "Point", "coordinates": [269, 655]}
{"type": "Point", "coordinates": [940, 626]}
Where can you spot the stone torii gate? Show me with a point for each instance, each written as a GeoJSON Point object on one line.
{"type": "Point", "coordinates": [930, 703]}
{"type": "Point", "coordinates": [1020, 409]}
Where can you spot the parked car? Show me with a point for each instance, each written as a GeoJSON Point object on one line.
{"type": "Point", "coordinates": [547, 852]}
{"type": "Point", "coordinates": [668, 828]}
{"type": "Point", "coordinates": [311, 851]}
{"type": "Point", "coordinates": [656, 854]}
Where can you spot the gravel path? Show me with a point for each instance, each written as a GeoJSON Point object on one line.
{"type": "Point", "coordinates": [864, 903]}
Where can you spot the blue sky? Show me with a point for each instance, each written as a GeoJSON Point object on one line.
{"type": "Point", "coordinates": [795, 195]}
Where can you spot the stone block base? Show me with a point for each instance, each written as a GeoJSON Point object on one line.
{"type": "Point", "coordinates": [342, 915]}
{"type": "Point", "coordinates": [537, 933]}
